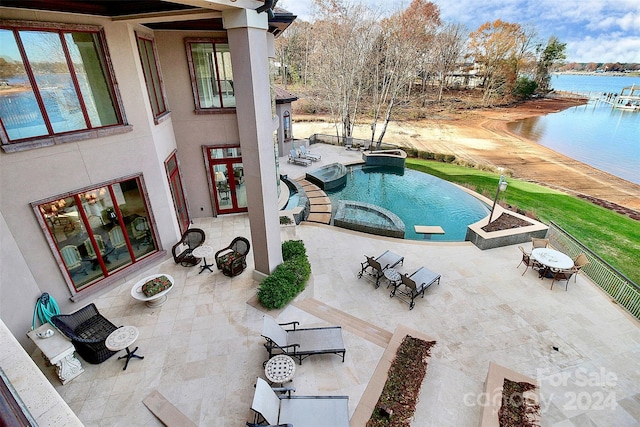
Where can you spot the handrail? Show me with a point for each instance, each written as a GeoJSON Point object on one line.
{"type": "Point", "coordinates": [622, 289]}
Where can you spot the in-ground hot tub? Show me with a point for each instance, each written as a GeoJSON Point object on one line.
{"type": "Point", "coordinates": [368, 218]}
{"type": "Point", "coordinates": [393, 158]}
{"type": "Point", "coordinates": [328, 177]}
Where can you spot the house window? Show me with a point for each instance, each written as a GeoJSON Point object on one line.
{"type": "Point", "coordinates": [211, 74]}
{"type": "Point", "coordinates": [98, 231]}
{"type": "Point", "coordinates": [58, 81]}
{"type": "Point", "coordinates": [152, 76]}
{"type": "Point", "coordinates": [286, 125]}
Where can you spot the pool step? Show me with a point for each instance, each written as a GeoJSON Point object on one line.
{"type": "Point", "coordinates": [320, 204]}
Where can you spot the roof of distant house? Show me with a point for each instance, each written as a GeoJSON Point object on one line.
{"type": "Point", "coordinates": [283, 96]}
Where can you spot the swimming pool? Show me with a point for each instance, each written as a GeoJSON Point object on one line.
{"type": "Point", "coordinates": [416, 197]}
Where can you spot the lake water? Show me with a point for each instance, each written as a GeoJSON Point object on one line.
{"type": "Point", "coordinates": [595, 133]}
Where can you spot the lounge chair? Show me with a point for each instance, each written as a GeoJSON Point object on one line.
{"type": "Point", "coordinates": [298, 411]}
{"type": "Point", "coordinates": [377, 265]}
{"type": "Point", "coordinates": [87, 329]}
{"type": "Point", "coordinates": [301, 343]}
{"type": "Point", "coordinates": [308, 155]}
{"type": "Point", "coordinates": [296, 159]}
{"type": "Point", "coordinates": [410, 286]}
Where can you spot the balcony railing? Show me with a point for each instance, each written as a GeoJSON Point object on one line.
{"type": "Point", "coordinates": [623, 290]}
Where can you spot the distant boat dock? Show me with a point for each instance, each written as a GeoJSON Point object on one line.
{"type": "Point", "coordinates": [627, 99]}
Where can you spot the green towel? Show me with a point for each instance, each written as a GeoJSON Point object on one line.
{"type": "Point", "coordinates": [46, 308]}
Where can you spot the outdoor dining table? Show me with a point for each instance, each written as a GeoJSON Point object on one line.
{"type": "Point", "coordinates": [551, 259]}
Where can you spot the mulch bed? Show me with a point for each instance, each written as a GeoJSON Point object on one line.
{"type": "Point", "coordinates": [516, 411]}
{"type": "Point", "coordinates": [505, 222]}
{"type": "Point", "coordinates": [399, 397]}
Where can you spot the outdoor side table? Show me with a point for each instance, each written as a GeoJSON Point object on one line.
{"type": "Point", "coordinates": [59, 351]}
{"type": "Point", "coordinates": [392, 275]}
{"type": "Point", "coordinates": [280, 369]}
{"type": "Point", "coordinates": [122, 338]}
{"type": "Point", "coordinates": [203, 252]}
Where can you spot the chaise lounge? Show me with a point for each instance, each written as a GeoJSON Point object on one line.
{"type": "Point", "coordinates": [301, 343]}
{"type": "Point", "coordinates": [298, 411]}
{"type": "Point", "coordinates": [413, 285]}
{"type": "Point", "coordinates": [378, 265]}
{"type": "Point", "coordinates": [296, 159]}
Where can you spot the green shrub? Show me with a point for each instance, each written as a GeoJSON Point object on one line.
{"type": "Point", "coordinates": [288, 279]}
{"type": "Point", "coordinates": [293, 248]}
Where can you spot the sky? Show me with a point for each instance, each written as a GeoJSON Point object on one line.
{"type": "Point", "coordinates": [593, 30]}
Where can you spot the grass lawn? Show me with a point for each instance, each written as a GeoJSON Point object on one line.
{"type": "Point", "coordinates": [614, 237]}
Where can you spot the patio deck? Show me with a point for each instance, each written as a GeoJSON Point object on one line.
{"type": "Point", "coordinates": [203, 349]}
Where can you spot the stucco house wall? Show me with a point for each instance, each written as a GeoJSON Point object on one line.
{"type": "Point", "coordinates": [32, 175]}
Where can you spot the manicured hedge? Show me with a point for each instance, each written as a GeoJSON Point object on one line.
{"type": "Point", "coordinates": [288, 279]}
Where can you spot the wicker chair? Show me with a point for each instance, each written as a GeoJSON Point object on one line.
{"type": "Point", "coordinates": [191, 239]}
{"type": "Point", "coordinates": [539, 243]}
{"type": "Point", "coordinates": [580, 261]}
{"type": "Point", "coordinates": [232, 260]}
{"type": "Point", "coordinates": [87, 329]}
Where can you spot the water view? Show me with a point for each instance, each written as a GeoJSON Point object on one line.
{"type": "Point", "coordinates": [595, 134]}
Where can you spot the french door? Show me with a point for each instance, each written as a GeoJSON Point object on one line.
{"type": "Point", "coordinates": [227, 178]}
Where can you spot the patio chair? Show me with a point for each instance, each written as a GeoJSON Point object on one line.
{"type": "Point", "coordinates": [232, 260]}
{"type": "Point", "coordinates": [539, 243]}
{"type": "Point", "coordinates": [87, 329]}
{"type": "Point", "coordinates": [191, 239]}
{"type": "Point", "coordinates": [561, 275]}
{"type": "Point", "coordinates": [298, 411]}
{"type": "Point", "coordinates": [410, 286]}
{"type": "Point", "coordinates": [377, 265]}
{"type": "Point", "coordinates": [296, 159]}
{"type": "Point", "coordinates": [308, 155]}
{"type": "Point", "coordinates": [579, 262]}
{"type": "Point", "coordinates": [528, 261]}
{"type": "Point", "coordinates": [301, 343]}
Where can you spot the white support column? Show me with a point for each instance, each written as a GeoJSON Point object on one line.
{"type": "Point", "coordinates": [247, 33]}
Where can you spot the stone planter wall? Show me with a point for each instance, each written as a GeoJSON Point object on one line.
{"type": "Point", "coordinates": [494, 239]}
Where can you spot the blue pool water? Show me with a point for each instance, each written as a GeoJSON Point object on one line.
{"type": "Point", "coordinates": [417, 198]}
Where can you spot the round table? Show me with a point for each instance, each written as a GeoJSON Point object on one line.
{"type": "Point", "coordinates": [155, 300]}
{"type": "Point", "coordinates": [280, 369]}
{"type": "Point", "coordinates": [392, 275]}
{"type": "Point", "coordinates": [552, 258]}
{"type": "Point", "coordinates": [203, 252]}
{"type": "Point", "coordinates": [121, 339]}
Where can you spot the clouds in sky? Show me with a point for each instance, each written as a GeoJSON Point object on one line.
{"type": "Point", "coordinates": [594, 30]}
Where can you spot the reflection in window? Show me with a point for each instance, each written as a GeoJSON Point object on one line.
{"type": "Point", "coordinates": [57, 83]}
{"type": "Point", "coordinates": [286, 126]}
{"type": "Point", "coordinates": [211, 74]}
{"type": "Point", "coordinates": [99, 231]}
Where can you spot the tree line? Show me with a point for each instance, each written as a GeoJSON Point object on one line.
{"type": "Point", "coordinates": [360, 65]}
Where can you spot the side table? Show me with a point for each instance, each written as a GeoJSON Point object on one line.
{"type": "Point", "coordinates": [122, 338]}
{"type": "Point", "coordinates": [392, 275]}
{"type": "Point", "coordinates": [203, 252]}
{"type": "Point", "coordinates": [59, 351]}
{"type": "Point", "coordinates": [280, 369]}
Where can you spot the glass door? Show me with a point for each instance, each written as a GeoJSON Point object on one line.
{"type": "Point", "coordinates": [227, 178]}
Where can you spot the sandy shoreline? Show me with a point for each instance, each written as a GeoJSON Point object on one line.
{"type": "Point", "coordinates": [481, 136]}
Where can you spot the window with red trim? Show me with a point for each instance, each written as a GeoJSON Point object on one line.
{"type": "Point", "coordinates": [98, 231]}
{"type": "Point", "coordinates": [152, 75]}
{"type": "Point", "coordinates": [211, 73]}
{"type": "Point", "coordinates": [55, 79]}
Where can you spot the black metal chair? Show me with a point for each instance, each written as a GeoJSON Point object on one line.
{"type": "Point", "coordinates": [232, 260]}
{"type": "Point", "coordinates": [191, 239]}
{"type": "Point", "coordinates": [87, 329]}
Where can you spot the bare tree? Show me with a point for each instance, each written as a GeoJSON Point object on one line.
{"type": "Point", "coordinates": [344, 35]}
{"type": "Point", "coordinates": [396, 57]}
{"type": "Point", "coordinates": [448, 48]}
